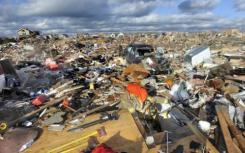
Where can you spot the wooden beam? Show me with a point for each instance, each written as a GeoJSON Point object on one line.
{"type": "Point", "coordinates": [237, 134]}
{"type": "Point", "coordinates": [238, 150]}
{"type": "Point", "coordinates": [226, 133]}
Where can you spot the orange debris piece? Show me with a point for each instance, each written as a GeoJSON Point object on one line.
{"type": "Point", "coordinates": [138, 91]}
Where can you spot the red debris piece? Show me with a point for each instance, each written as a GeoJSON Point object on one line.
{"type": "Point", "coordinates": [138, 91]}
{"type": "Point", "coordinates": [51, 64]}
{"type": "Point", "coordinates": [39, 100]}
{"type": "Point", "coordinates": [65, 103]}
{"type": "Point", "coordinates": [103, 148]}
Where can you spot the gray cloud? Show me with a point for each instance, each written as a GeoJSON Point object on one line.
{"type": "Point", "coordinates": [7, 11]}
{"type": "Point", "coordinates": [239, 5]}
{"type": "Point", "coordinates": [136, 8]}
{"type": "Point", "coordinates": [88, 8]}
{"type": "Point", "coordinates": [151, 22]}
{"type": "Point", "coordinates": [66, 8]}
{"type": "Point", "coordinates": [197, 5]}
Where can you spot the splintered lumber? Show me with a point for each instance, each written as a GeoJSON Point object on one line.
{"type": "Point", "coordinates": [94, 110]}
{"type": "Point", "coordinates": [71, 89]}
{"type": "Point", "coordinates": [48, 104]}
{"type": "Point", "coordinates": [234, 79]}
{"type": "Point", "coordinates": [90, 111]}
{"type": "Point", "coordinates": [226, 134]}
{"type": "Point", "coordinates": [60, 88]}
{"type": "Point", "coordinates": [235, 132]}
{"type": "Point", "coordinates": [234, 56]}
{"type": "Point", "coordinates": [202, 138]}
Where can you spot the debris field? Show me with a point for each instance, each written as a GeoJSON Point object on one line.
{"type": "Point", "coordinates": [170, 92]}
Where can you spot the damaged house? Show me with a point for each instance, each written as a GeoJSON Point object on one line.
{"type": "Point", "coordinates": [25, 33]}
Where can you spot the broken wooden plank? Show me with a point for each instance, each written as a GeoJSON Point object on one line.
{"type": "Point", "coordinates": [238, 150]}
{"type": "Point", "coordinates": [224, 128]}
{"type": "Point", "coordinates": [48, 104]}
{"type": "Point", "coordinates": [88, 112]}
{"type": "Point", "coordinates": [237, 134]}
{"type": "Point", "coordinates": [140, 126]}
{"type": "Point", "coordinates": [234, 56]}
{"type": "Point", "coordinates": [66, 91]}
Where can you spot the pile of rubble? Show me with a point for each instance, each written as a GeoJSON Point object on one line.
{"type": "Point", "coordinates": [184, 96]}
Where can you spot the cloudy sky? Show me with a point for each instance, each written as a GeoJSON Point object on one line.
{"type": "Point", "coordinates": [72, 16]}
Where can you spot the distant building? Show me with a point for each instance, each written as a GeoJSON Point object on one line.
{"type": "Point", "coordinates": [62, 36]}
{"type": "Point", "coordinates": [120, 35]}
{"type": "Point", "coordinates": [47, 36]}
{"type": "Point", "coordinates": [83, 35]}
{"type": "Point", "coordinates": [25, 33]}
{"type": "Point", "coordinates": [95, 36]}
{"type": "Point", "coordinates": [113, 35]}
{"type": "Point", "coordinates": [197, 55]}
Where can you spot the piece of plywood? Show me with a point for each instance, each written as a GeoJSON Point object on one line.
{"type": "Point", "coordinates": [122, 135]}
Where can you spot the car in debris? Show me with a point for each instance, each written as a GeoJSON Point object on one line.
{"type": "Point", "coordinates": [144, 54]}
{"type": "Point", "coordinates": [135, 52]}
